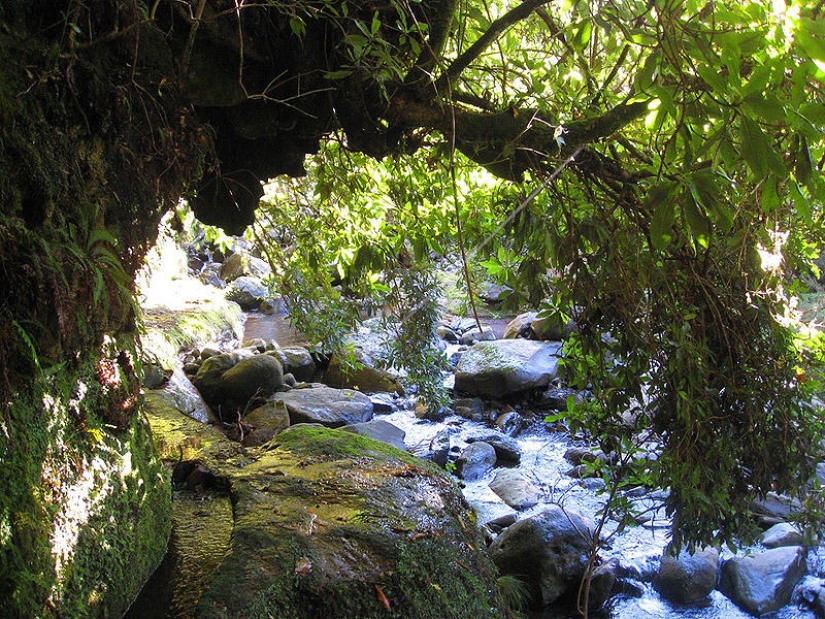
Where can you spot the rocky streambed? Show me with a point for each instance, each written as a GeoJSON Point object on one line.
{"type": "Point", "coordinates": [520, 476]}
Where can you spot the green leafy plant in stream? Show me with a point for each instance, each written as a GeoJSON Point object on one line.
{"type": "Point", "coordinates": [340, 257]}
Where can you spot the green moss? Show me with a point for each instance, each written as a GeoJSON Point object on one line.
{"type": "Point", "coordinates": [84, 514]}
{"type": "Point", "coordinates": [325, 444]}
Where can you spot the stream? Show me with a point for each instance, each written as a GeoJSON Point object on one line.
{"type": "Point", "coordinates": [202, 523]}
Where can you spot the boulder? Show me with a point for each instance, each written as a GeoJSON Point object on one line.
{"type": "Point", "coordinates": [240, 264]}
{"type": "Point", "coordinates": [369, 349]}
{"type": "Point", "coordinates": [763, 583]}
{"type": "Point", "coordinates": [271, 416]}
{"type": "Point", "coordinates": [510, 423]}
{"type": "Point", "coordinates": [474, 335]}
{"type": "Point", "coordinates": [440, 447]}
{"type": "Point", "coordinates": [515, 489]}
{"type": "Point", "coordinates": [603, 582]}
{"type": "Point", "coordinates": [313, 535]}
{"type": "Point", "coordinates": [551, 328]}
{"type": "Point", "coordinates": [367, 378]}
{"type": "Point", "coordinates": [556, 398]}
{"type": "Point", "coordinates": [782, 534]}
{"type": "Point", "coordinates": [380, 430]}
{"type": "Point", "coordinates": [475, 461]}
{"type": "Point", "coordinates": [297, 361]}
{"type": "Point", "coordinates": [208, 379]}
{"type": "Point", "coordinates": [383, 403]}
{"type": "Point", "coordinates": [248, 292]}
{"type": "Point", "coordinates": [548, 552]}
{"type": "Point", "coordinates": [508, 453]}
{"type": "Point", "coordinates": [507, 367]}
{"type": "Point", "coordinates": [252, 379]}
{"type": "Point", "coordinates": [329, 407]}
{"type": "Point", "coordinates": [181, 393]}
{"type": "Point", "coordinates": [470, 408]}
{"type": "Point", "coordinates": [687, 578]}
{"type": "Point", "coordinates": [520, 326]}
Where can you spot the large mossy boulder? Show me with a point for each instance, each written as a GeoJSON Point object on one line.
{"type": "Point", "coordinates": [232, 382]}
{"type": "Point", "coordinates": [85, 512]}
{"type": "Point", "coordinates": [332, 524]}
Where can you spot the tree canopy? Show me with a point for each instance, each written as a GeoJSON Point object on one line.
{"type": "Point", "coordinates": [653, 154]}
{"type": "Point", "coordinates": [644, 151]}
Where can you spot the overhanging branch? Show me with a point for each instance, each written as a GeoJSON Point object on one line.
{"type": "Point", "coordinates": [485, 40]}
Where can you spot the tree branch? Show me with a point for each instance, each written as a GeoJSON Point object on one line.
{"type": "Point", "coordinates": [510, 142]}
{"type": "Point", "coordinates": [458, 65]}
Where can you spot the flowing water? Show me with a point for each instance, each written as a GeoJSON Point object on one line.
{"type": "Point", "coordinates": [202, 524]}
{"type": "Point", "coordinates": [637, 548]}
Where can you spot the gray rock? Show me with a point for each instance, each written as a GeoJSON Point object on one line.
{"type": "Point", "coordinates": [311, 532]}
{"type": "Point", "coordinates": [820, 473]}
{"type": "Point", "coordinates": [369, 348]}
{"type": "Point", "coordinates": [209, 351]}
{"type": "Point", "coordinates": [763, 583]}
{"type": "Point", "coordinates": [153, 375]}
{"type": "Point", "coordinates": [510, 423]}
{"type": "Point", "coordinates": [272, 415]}
{"type": "Point", "coordinates": [383, 403]}
{"type": "Point", "coordinates": [551, 328]}
{"type": "Point", "coordinates": [470, 408]}
{"type": "Point", "coordinates": [463, 324]}
{"type": "Point", "coordinates": [440, 447]}
{"type": "Point", "coordinates": [208, 379]}
{"type": "Point", "coordinates": [508, 452]}
{"type": "Point", "coordinates": [248, 292]}
{"type": "Point", "coordinates": [495, 293]}
{"type": "Point", "coordinates": [367, 378]}
{"type": "Point", "coordinates": [556, 398]}
{"type": "Point", "coordinates": [520, 327]}
{"type": "Point", "coordinates": [256, 343]}
{"type": "Point", "coordinates": [776, 506]}
{"type": "Point", "coordinates": [485, 334]}
{"type": "Point", "coordinates": [475, 461]}
{"type": "Point", "coordinates": [329, 407]}
{"type": "Point", "coordinates": [446, 334]}
{"type": "Point", "coordinates": [211, 278]}
{"type": "Point", "coordinates": [782, 534]}
{"type": "Point", "coordinates": [297, 361]}
{"type": "Point", "coordinates": [603, 582]}
{"type": "Point", "coordinates": [240, 264]}
{"type": "Point", "coordinates": [181, 393]}
{"type": "Point", "coordinates": [549, 552]}
{"type": "Point", "coordinates": [255, 378]}
{"type": "Point", "coordinates": [380, 430]}
{"type": "Point", "coordinates": [687, 578]}
{"type": "Point", "coordinates": [506, 367]}
{"type": "Point", "coordinates": [515, 489]}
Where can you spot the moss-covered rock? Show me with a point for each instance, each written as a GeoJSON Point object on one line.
{"type": "Point", "coordinates": [85, 513]}
{"type": "Point", "coordinates": [332, 524]}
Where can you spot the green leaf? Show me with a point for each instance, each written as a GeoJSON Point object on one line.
{"type": "Point", "coordinates": [646, 76]}
{"type": "Point", "coordinates": [754, 147]}
{"type": "Point", "coordinates": [697, 220]}
{"type": "Point", "coordinates": [338, 75]}
{"type": "Point", "coordinates": [661, 226]}
{"type": "Point", "coordinates": [711, 75]}
{"type": "Point", "coordinates": [804, 163]}
{"type": "Point", "coordinates": [766, 107]}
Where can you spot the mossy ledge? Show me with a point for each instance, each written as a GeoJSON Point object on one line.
{"type": "Point", "coordinates": [85, 511]}
{"type": "Point", "coordinates": [336, 525]}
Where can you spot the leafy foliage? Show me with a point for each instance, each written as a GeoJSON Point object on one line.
{"type": "Point", "coordinates": [654, 240]}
